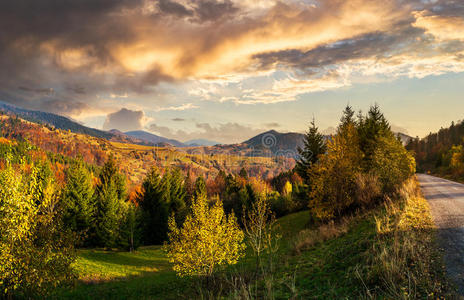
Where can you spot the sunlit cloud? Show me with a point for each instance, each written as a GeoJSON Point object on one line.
{"type": "Point", "coordinates": [240, 51]}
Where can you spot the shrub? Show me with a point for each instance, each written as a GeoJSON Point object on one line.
{"type": "Point", "coordinates": [208, 239]}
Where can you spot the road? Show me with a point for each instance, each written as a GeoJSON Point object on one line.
{"type": "Point", "coordinates": [446, 199]}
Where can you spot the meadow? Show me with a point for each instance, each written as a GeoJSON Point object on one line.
{"type": "Point", "coordinates": [389, 252]}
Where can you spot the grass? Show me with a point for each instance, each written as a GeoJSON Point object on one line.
{"type": "Point", "coordinates": [144, 274]}
{"type": "Point", "coordinates": [385, 253]}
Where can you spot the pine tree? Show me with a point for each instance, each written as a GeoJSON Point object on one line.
{"type": "Point", "coordinates": [314, 146]}
{"type": "Point", "coordinates": [155, 210]}
{"type": "Point", "coordinates": [347, 120]}
{"type": "Point", "coordinates": [178, 194]}
{"type": "Point", "coordinates": [200, 188]}
{"type": "Point", "coordinates": [373, 127]}
{"type": "Point", "coordinates": [130, 231]}
{"type": "Point", "coordinates": [77, 199]}
{"type": "Point", "coordinates": [109, 195]}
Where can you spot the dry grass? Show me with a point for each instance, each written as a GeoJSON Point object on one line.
{"type": "Point", "coordinates": [405, 262]}
{"type": "Point", "coordinates": [367, 189]}
{"type": "Point", "coordinates": [310, 237]}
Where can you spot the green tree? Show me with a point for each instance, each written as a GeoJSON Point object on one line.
{"type": "Point", "coordinates": [371, 128]}
{"type": "Point", "coordinates": [109, 196]}
{"type": "Point", "coordinates": [334, 176]}
{"type": "Point", "coordinates": [160, 197]}
{"type": "Point", "coordinates": [130, 231]}
{"type": "Point", "coordinates": [314, 147]}
{"type": "Point", "coordinates": [77, 199]}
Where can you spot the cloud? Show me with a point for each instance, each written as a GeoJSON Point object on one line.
{"type": "Point", "coordinates": [329, 131]}
{"type": "Point", "coordinates": [73, 52]}
{"type": "Point", "coordinates": [224, 133]}
{"type": "Point", "coordinates": [272, 125]}
{"type": "Point", "coordinates": [182, 107]}
{"type": "Point", "coordinates": [125, 120]}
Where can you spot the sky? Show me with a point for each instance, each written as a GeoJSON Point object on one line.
{"type": "Point", "coordinates": [226, 70]}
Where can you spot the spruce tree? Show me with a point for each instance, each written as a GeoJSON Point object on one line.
{"type": "Point", "coordinates": [77, 202]}
{"type": "Point", "coordinates": [109, 195]}
{"type": "Point", "coordinates": [155, 209]}
{"type": "Point", "coordinates": [347, 120]}
{"type": "Point", "coordinates": [373, 127]}
{"type": "Point", "coordinates": [314, 146]}
{"type": "Point", "coordinates": [178, 195]}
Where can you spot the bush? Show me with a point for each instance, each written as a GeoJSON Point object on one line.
{"type": "Point", "coordinates": [208, 239]}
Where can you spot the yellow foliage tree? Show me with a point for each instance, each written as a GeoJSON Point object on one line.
{"type": "Point", "coordinates": [208, 239]}
{"type": "Point", "coordinates": [334, 175]}
{"type": "Point", "coordinates": [35, 255]}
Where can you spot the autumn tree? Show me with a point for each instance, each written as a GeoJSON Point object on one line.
{"type": "Point", "coordinates": [260, 229]}
{"type": "Point", "coordinates": [334, 176]}
{"type": "Point", "coordinates": [208, 239]}
{"type": "Point", "coordinates": [36, 252]}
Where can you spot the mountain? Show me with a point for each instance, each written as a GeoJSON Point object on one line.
{"type": "Point", "coordinates": [277, 143]}
{"type": "Point", "coordinates": [404, 138]}
{"type": "Point", "coordinates": [154, 139]}
{"type": "Point", "coordinates": [200, 142]}
{"type": "Point", "coordinates": [54, 120]}
{"type": "Point", "coordinates": [267, 144]}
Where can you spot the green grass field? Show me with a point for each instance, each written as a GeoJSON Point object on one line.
{"type": "Point", "coordinates": [335, 268]}
{"type": "Point", "coordinates": [146, 273]}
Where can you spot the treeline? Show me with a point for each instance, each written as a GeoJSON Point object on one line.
{"type": "Point", "coordinates": [442, 152]}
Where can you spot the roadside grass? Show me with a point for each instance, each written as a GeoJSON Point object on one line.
{"type": "Point", "coordinates": [386, 253]}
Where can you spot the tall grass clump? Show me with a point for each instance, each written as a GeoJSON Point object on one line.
{"type": "Point", "coordinates": [406, 262]}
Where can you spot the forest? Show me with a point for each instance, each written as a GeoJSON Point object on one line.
{"type": "Point", "coordinates": [55, 203]}
{"type": "Point", "coordinates": [441, 153]}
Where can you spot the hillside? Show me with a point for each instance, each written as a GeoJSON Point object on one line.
{"type": "Point", "coordinates": [54, 120]}
{"type": "Point", "coordinates": [138, 159]}
{"type": "Point", "coordinates": [267, 144]}
{"type": "Point", "coordinates": [441, 152]}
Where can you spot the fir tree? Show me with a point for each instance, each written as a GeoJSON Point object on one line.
{"type": "Point", "coordinates": [155, 209]}
{"type": "Point", "coordinates": [314, 146]}
{"type": "Point", "coordinates": [77, 202]}
{"type": "Point", "coordinates": [109, 196]}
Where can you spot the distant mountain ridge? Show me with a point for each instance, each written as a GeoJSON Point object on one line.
{"type": "Point", "coordinates": [154, 139]}
{"type": "Point", "coordinates": [200, 142]}
{"type": "Point", "coordinates": [276, 142]}
{"type": "Point", "coordinates": [54, 120]}
{"type": "Point", "coordinates": [64, 123]}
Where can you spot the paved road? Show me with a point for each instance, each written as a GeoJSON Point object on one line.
{"type": "Point", "coordinates": [446, 199]}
